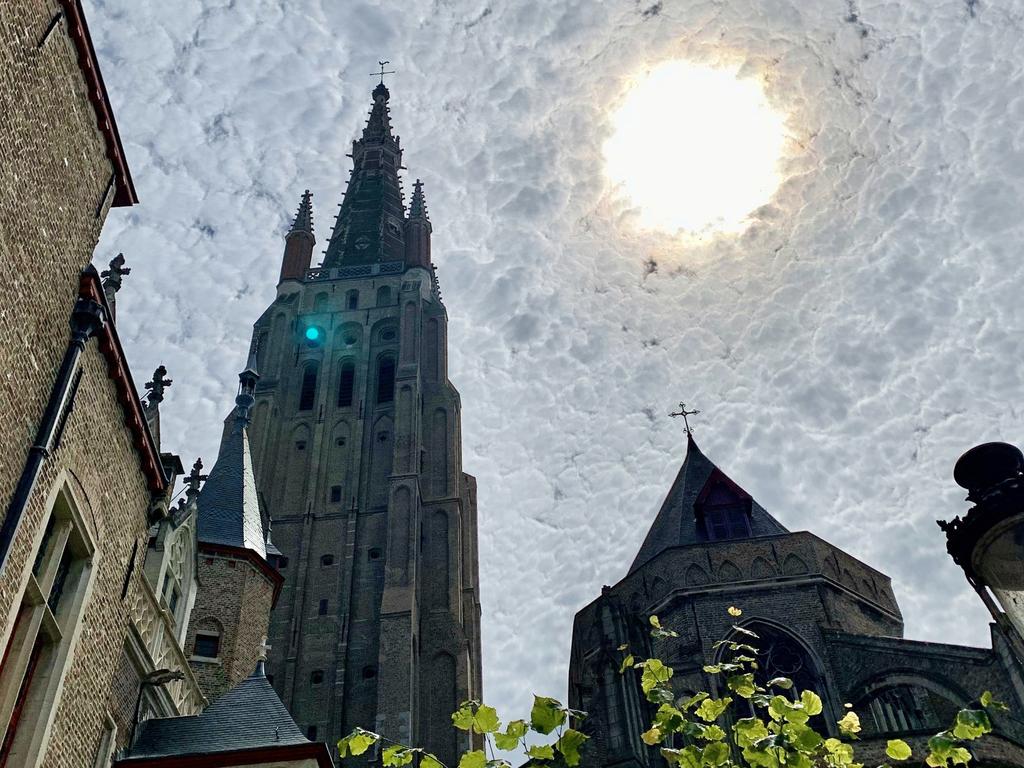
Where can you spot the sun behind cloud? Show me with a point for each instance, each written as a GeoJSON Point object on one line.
{"type": "Point", "coordinates": [695, 148]}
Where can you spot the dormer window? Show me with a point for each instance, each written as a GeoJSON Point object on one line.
{"type": "Point", "coordinates": [722, 510]}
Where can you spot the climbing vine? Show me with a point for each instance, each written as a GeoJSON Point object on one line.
{"type": "Point", "coordinates": [753, 725]}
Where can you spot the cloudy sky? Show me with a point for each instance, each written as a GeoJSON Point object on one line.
{"type": "Point", "coordinates": [845, 349]}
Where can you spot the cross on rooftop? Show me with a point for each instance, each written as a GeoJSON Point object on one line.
{"type": "Point", "coordinates": [382, 72]}
{"type": "Point", "coordinates": [264, 646]}
{"type": "Point", "coordinates": [684, 413]}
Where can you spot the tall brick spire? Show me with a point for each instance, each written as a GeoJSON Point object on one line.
{"type": "Point", "coordinates": [369, 227]}
{"type": "Point", "coordinates": [299, 242]}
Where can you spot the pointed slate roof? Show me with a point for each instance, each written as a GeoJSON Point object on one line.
{"type": "Point", "coordinates": [229, 507]}
{"type": "Point", "coordinates": [303, 221]}
{"type": "Point", "coordinates": [368, 229]}
{"type": "Point", "coordinates": [418, 205]}
{"type": "Point", "coordinates": [249, 716]}
{"type": "Point", "coordinates": [676, 522]}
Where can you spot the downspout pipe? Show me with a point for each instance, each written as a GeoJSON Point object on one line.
{"type": "Point", "coordinates": [87, 318]}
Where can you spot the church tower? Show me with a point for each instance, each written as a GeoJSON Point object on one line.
{"type": "Point", "coordinates": [357, 454]}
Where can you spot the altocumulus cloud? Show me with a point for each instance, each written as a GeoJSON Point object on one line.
{"type": "Point", "coordinates": [861, 333]}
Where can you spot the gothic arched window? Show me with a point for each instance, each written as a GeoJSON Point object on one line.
{"type": "Point", "coordinates": [346, 384]}
{"type": "Point", "coordinates": [906, 708]}
{"type": "Point", "coordinates": [386, 380]}
{"type": "Point", "coordinates": [383, 296]}
{"type": "Point", "coordinates": [307, 392]}
{"type": "Point", "coordinates": [352, 300]}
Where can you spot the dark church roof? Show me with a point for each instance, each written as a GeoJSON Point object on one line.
{"type": "Point", "coordinates": [229, 507]}
{"type": "Point", "coordinates": [676, 523]}
{"type": "Point", "coordinates": [249, 716]}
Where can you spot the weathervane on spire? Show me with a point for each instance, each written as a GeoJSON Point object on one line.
{"type": "Point", "coordinates": [684, 413]}
{"type": "Point", "coordinates": [382, 72]}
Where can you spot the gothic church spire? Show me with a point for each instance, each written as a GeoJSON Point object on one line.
{"type": "Point", "coordinates": [299, 242]}
{"type": "Point", "coordinates": [369, 227]}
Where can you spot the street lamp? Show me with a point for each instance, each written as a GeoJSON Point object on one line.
{"type": "Point", "coordinates": [988, 541]}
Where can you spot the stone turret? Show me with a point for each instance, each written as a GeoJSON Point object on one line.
{"type": "Point", "coordinates": [238, 586]}
{"type": "Point", "coordinates": [418, 230]}
{"type": "Point", "coordinates": [299, 242]}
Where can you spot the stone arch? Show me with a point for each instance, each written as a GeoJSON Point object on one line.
{"type": "Point", "coordinates": [783, 653]}
{"type": "Point", "coordinates": [383, 296]}
{"type": "Point", "coordinates": [348, 336]}
{"type": "Point", "coordinates": [831, 569]}
{"type": "Point", "coordinates": [761, 569]}
{"type": "Point", "coordinates": [848, 578]}
{"type": "Point", "coordinates": [906, 700]}
{"type": "Point", "coordinates": [696, 576]}
{"type": "Point", "coordinates": [794, 566]}
{"type": "Point", "coordinates": [320, 302]}
{"type": "Point", "coordinates": [728, 571]}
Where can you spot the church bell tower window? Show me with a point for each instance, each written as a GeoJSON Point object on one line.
{"type": "Point", "coordinates": [386, 380]}
{"type": "Point", "coordinates": [307, 392]}
{"type": "Point", "coordinates": [346, 384]}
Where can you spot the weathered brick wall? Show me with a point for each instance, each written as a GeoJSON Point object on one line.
{"type": "Point", "coordinates": [236, 598]}
{"type": "Point", "coordinates": [101, 467]}
{"type": "Point", "coordinates": [53, 176]}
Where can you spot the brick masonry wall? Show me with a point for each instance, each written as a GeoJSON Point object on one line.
{"type": "Point", "coordinates": [98, 462]}
{"type": "Point", "coordinates": [53, 176]}
{"type": "Point", "coordinates": [236, 598]}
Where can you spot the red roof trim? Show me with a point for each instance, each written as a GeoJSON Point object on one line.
{"type": "Point", "coordinates": [90, 287]}
{"type": "Point", "coordinates": [243, 553]}
{"type": "Point", "coordinates": [284, 753]}
{"type": "Point", "coordinates": [124, 193]}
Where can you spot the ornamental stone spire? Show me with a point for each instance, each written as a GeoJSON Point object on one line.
{"type": "Point", "coordinates": [369, 227]}
{"type": "Point", "coordinates": [299, 242]}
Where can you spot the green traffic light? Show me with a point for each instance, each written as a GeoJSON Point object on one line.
{"type": "Point", "coordinates": [312, 333]}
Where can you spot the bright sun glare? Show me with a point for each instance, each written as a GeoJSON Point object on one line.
{"type": "Point", "coordinates": [695, 148]}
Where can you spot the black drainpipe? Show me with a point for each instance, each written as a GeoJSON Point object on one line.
{"type": "Point", "coordinates": [87, 318]}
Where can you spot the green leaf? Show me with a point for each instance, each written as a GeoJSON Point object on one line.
{"type": "Point", "coordinates": [712, 733]}
{"type": "Point", "coordinates": [623, 647]}
{"type": "Point", "coordinates": [849, 724]}
{"type": "Point", "coordinates": [988, 701]}
{"type": "Point", "coordinates": [688, 757]}
{"type": "Point", "coordinates": [712, 669]}
{"type": "Point", "coordinates": [654, 674]}
{"type": "Point", "coordinates": [898, 749]}
{"type": "Point", "coordinates": [697, 698]}
{"type": "Point", "coordinates": [732, 610]}
{"type": "Point", "coordinates": [462, 718]}
{"type": "Point", "coordinates": [397, 755]}
{"type": "Point", "coordinates": [749, 730]}
{"type": "Point", "coordinates": [780, 682]}
{"type": "Point", "coordinates": [547, 714]}
{"type": "Point", "coordinates": [626, 663]}
{"type": "Point", "coordinates": [652, 736]}
{"type": "Point", "coordinates": [742, 685]}
{"type": "Point", "coordinates": [841, 752]}
{"type": "Point", "coordinates": [811, 702]}
{"type": "Point", "coordinates": [430, 761]}
{"type": "Point", "coordinates": [655, 622]}
{"type": "Point", "coordinates": [486, 720]}
{"type": "Point", "coordinates": [357, 742]}
{"type": "Point", "coordinates": [499, 763]}
{"type": "Point", "coordinates": [715, 753]}
{"type": "Point", "coordinates": [668, 718]}
{"type": "Point", "coordinates": [569, 745]}
{"type": "Point", "coordinates": [711, 709]}
{"type": "Point", "coordinates": [474, 759]}
{"type": "Point", "coordinates": [509, 740]}
{"type": "Point", "coordinates": [540, 752]}
{"type": "Point", "coordinates": [971, 723]}
{"type": "Point", "coordinates": [803, 737]}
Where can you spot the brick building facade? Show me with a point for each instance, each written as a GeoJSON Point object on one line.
{"type": "Point", "coordinates": [824, 619]}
